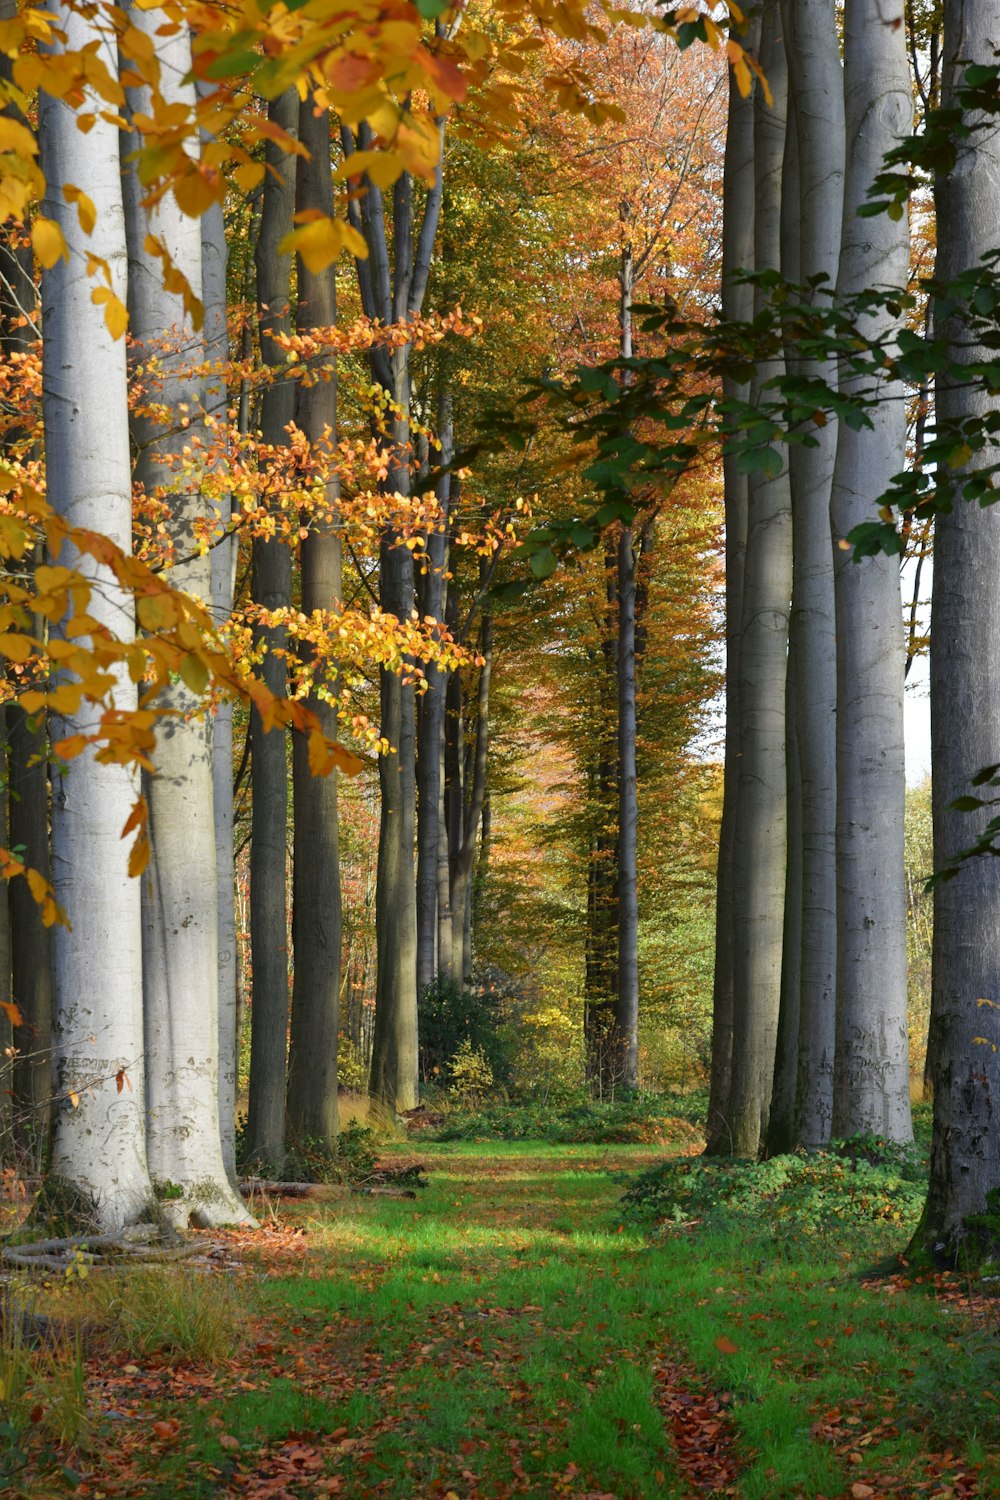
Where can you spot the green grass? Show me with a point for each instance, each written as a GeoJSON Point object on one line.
{"type": "Point", "coordinates": [499, 1335]}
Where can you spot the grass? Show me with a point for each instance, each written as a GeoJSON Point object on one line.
{"type": "Point", "coordinates": [502, 1335]}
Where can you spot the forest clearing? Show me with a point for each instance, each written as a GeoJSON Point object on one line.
{"type": "Point", "coordinates": [479, 482]}
{"type": "Point", "coordinates": [515, 1329]}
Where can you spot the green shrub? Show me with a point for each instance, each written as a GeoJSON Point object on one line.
{"type": "Point", "coordinates": [451, 1015]}
{"type": "Point", "coordinates": [858, 1182]}
{"type": "Point", "coordinates": [636, 1119]}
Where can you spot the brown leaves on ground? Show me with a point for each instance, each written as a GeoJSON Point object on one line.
{"type": "Point", "coordinates": [702, 1431]}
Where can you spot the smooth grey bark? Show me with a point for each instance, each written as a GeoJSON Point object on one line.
{"type": "Point", "coordinates": [271, 588]}
{"type": "Point", "coordinates": [817, 88]}
{"type": "Point", "coordinates": [6, 989]}
{"type": "Point", "coordinates": [180, 887]}
{"type": "Point", "coordinates": [31, 942]}
{"type": "Point", "coordinates": [316, 899]}
{"type": "Point", "coordinates": [392, 292]}
{"type": "Point", "coordinates": [214, 261]}
{"type": "Point", "coordinates": [737, 305]}
{"type": "Point", "coordinates": [430, 725]}
{"type": "Point", "coordinates": [761, 817]}
{"type": "Point", "coordinates": [965, 720]}
{"type": "Point", "coordinates": [99, 1142]}
{"type": "Point", "coordinates": [871, 1078]}
{"type": "Point", "coordinates": [781, 1124]}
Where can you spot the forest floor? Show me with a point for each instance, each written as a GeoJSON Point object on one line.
{"type": "Point", "coordinates": [511, 1332]}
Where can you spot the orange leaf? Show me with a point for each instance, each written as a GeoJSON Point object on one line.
{"type": "Point", "coordinates": [12, 1011]}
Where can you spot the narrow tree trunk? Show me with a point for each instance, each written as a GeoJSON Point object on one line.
{"type": "Point", "coordinates": [761, 827]}
{"type": "Point", "coordinates": [816, 84]}
{"type": "Point", "coordinates": [99, 1142]}
{"type": "Point", "coordinates": [180, 889]}
{"type": "Point", "coordinates": [316, 909]}
{"type": "Point", "coordinates": [31, 943]}
{"type": "Point", "coordinates": [627, 994]}
{"type": "Point", "coordinates": [871, 1082]}
{"type": "Point", "coordinates": [430, 726]}
{"type": "Point", "coordinates": [214, 257]}
{"type": "Point", "coordinates": [965, 725]}
{"type": "Point", "coordinates": [271, 588]}
{"type": "Point", "coordinates": [475, 792]}
{"type": "Point", "coordinates": [737, 304]}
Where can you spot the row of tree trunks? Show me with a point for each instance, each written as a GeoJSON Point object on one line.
{"type": "Point", "coordinates": [810, 986]}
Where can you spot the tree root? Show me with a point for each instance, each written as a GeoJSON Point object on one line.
{"type": "Point", "coordinates": [100, 1251]}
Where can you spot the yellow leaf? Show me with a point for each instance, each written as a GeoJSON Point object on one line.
{"type": "Point", "coordinates": [16, 138]}
{"type": "Point", "coordinates": [195, 674]}
{"type": "Point", "coordinates": [138, 857]}
{"type": "Point", "coordinates": [321, 241]}
{"type": "Point", "coordinates": [156, 611]}
{"type": "Point", "coordinates": [115, 311]}
{"type": "Point", "coordinates": [74, 1099]}
{"type": "Point", "coordinates": [17, 647]}
{"type": "Point", "coordinates": [12, 1011]}
{"type": "Point", "coordinates": [48, 241]}
{"type": "Point", "coordinates": [85, 210]}
{"type": "Point", "coordinates": [71, 746]}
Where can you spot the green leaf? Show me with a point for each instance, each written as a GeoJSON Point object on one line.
{"type": "Point", "coordinates": [966, 804]}
{"type": "Point", "coordinates": [544, 563]}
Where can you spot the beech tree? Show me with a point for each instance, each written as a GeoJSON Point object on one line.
{"type": "Point", "coordinates": [99, 1136]}
{"type": "Point", "coordinates": [871, 1081]}
{"type": "Point", "coordinates": [965, 642]}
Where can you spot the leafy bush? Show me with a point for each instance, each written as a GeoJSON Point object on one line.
{"type": "Point", "coordinates": [352, 1160]}
{"type": "Point", "coordinates": [636, 1119]}
{"type": "Point", "coordinates": [470, 1074]}
{"type": "Point", "coordinates": [451, 1015]}
{"type": "Point", "coordinates": [858, 1182]}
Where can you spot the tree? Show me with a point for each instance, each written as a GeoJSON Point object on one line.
{"type": "Point", "coordinates": [760, 839]}
{"type": "Point", "coordinates": [180, 887]}
{"type": "Point", "coordinates": [99, 1142]}
{"type": "Point", "coordinates": [871, 1080]}
{"type": "Point", "coordinates": [965, 641]}
{"type": "Point", "coordinates": [316, 900]}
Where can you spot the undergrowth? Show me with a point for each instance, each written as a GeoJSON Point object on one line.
{"type": "Point", "coordinates": [639, 1119]}
{"type": "Point", "coordinates": [793, 1198]}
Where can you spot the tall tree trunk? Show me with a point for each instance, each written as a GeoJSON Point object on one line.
{"type": "Point", "coordinates": [871, 1082]}
{"type": "Point", "coordinates": [180, 889]}
{"type": "Point", "coordinates": [965, 720]}
{"type": "Point", "coordinates": [761, 824]}
{"type": "Point", "coordinates": [214, 259]}
{"type": "Point", "coordinates": [627, 996]}
{"type": "Point", "coordinates": [394, 294]}
{"type": "Point", "coordinates": [816, 85]}
{"type": "Point", "coordinates": [737, 305]}
{"type": "Point", "coordinates": [316, 909]}
{"type": "Point", "coordinates": [271, 588]}
{"type": "Point", "coordinates": [99, 1144]}
{"type": "Point", "coordinates": [430, 724]}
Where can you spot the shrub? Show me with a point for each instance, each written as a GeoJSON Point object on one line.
{"type": "Point", "coordinates": [859, 1182]}
{"type": "Point", "coordinates": [451, 1015]}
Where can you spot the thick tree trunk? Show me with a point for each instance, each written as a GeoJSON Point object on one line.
{"type": "Point", "coordinates": [761, 822]}
{"type": "Point", "coordinates": [871, 1083]}
{"type": "Point", "coordinates": [816, 86]}
{"type": "Point", "coordinates": [316, 909]}
{"type": "Point", "coordinates": [99, 1142]}
{"type": "Point", "coordinates": [430, 726]}
{"type": "Point", "coordinates": [180, 889]}
{"type": "Point", "coordinates": [781, 1125]}
{"type": "Point", "coordinates": [965, 725]}
{"type": "Point", "coordinates": [271, 588]}
{"type": "Point", "coordinates": [737, 304]}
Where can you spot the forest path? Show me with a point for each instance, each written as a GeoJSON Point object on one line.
{"type": "Point", "coordinates": [507, 1332]}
